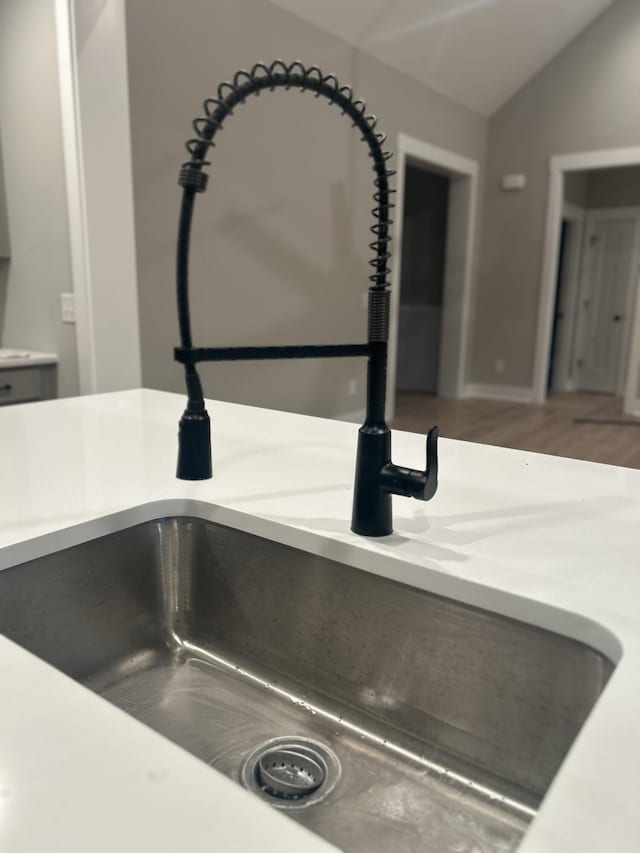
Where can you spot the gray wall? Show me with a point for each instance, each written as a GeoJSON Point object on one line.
{"type": "Point", "coordinates": [279, 252]}
{"type": "Point", "coordinates": [600, 188]}
{"type": "Point", "coordinates": [614, 188]}
{"type": "Point", "coordinates": [576, 187]}
{"type": "Point", "coordinates": [585, 99]}
{"type": "Point", "coordinates": [40, 268]}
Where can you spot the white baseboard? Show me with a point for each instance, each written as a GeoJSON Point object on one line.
{"type": "Point", "coordinates": [356, 417]}
{"type": "Point", "coordinates": [508, 393]}
{"type": "Point", "coordinates": [569, 386]}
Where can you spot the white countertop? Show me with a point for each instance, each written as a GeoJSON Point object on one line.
{"type": "Point", "coordinates": [550, 541]}
{"type": "Point", "coordinates": [10, 358]}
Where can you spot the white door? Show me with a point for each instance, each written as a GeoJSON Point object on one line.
{"type": "Point", "coordinates": [609, 279]}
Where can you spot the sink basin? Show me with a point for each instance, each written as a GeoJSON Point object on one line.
{"type": "Point", "coordinates": [379, 716]}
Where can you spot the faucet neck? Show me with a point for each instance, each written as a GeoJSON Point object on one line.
{"type": "Point", "coordinates": [376, 476]}
{"type": "Point", "coordinates": [376, 386]}
{"type": "Point", "coordinates": [194, 180]}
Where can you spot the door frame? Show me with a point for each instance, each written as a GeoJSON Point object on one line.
{"type": "Point", "coordinates": [99, 198]}
{"type": "Point", "coordinates": [630, 296]}
{"type": "Point", "coordinates": [558, 166]}
{"type": "Point", "coordinates": [459, 259]}
{"type": "Point", "coordinates": [575, 215]}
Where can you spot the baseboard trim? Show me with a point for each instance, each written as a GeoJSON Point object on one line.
{"type": "Point", "coordinates": [508, 393]}
{"type": "Point", "coordinates": [568, 387]}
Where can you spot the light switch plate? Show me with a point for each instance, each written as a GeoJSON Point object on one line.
{"type": "Point", "coordinates": [68, 306]}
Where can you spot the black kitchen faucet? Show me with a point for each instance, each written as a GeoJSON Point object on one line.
{"type": "Point", "coordinates": [376, 477]}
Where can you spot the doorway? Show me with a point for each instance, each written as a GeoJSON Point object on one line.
{"type": "Point", "coordinates": [430, 295]}
{"type": "Point", "coordinates": [424, 238]}
{"type": "Point", "coordinates": [597, 280]}
{"type": "Point", "coordinates": [605, 352]}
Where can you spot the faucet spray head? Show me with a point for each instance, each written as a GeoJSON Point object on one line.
{"type": "Point", "coordinates": [194, 443]}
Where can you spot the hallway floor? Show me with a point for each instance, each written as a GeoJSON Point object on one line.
{"type": "Point", "coordinates": [544, 429]}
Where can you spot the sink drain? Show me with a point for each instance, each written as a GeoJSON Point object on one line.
{"type": "Point", "coordinates": [291, 772]}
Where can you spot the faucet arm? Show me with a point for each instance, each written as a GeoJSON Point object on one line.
{"type": "Point", "coordinates": [229, 95]}
{"type": "Point", "coordinates": [377, 478]}
{"type": "Point", "coordinates": [194, 444]}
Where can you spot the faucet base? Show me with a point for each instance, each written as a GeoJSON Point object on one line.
{"type": "Point", "coordinates": [372, 512]}
{"type": "Point", "coordinates": [194, 444]}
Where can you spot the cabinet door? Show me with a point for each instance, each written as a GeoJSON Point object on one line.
{"type": "Point", "coordinates": [20, 385]}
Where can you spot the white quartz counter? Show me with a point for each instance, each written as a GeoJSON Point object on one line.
{"type": "Point", "coordinates": [551, 541]}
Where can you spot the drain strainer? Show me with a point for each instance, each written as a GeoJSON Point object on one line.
{"type": "Point", "coordinates": [291, 772]}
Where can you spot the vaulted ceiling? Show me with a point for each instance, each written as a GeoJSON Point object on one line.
{"type": "Point", "coordinates": [477, 52]}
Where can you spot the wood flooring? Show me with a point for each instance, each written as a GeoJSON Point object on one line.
{"type": "Point", "coordinates": [550, 428]}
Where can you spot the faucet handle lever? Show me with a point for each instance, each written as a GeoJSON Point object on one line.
{"type": "Point", "coordinates": [411, 483]}
{"type": "Point", "coordinates": [431, 472]}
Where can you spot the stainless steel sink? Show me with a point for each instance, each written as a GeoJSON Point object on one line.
{"type": "Point", "coordinates": [379, 716]}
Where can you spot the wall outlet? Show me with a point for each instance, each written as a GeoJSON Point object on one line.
{"type": "Point", "coordinates": [352, 387]}
{"type": "Point", "coordinates": [68, 307]}
{"type": "Point", "coordinates": [499, 365]}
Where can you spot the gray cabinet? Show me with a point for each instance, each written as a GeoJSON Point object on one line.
{"type": "Point", "coordinates": [27, 384]}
